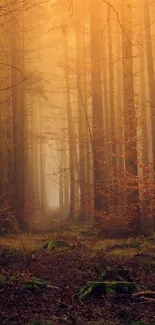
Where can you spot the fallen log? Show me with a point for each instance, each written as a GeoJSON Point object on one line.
{"type": "Point", "coordinates": [106, 287]}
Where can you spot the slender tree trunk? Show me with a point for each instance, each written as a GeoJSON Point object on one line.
{"type": "Point", "coordinates": [87, 132]}
{"type": "Point", "coordinates": [130, 120]}
{"type": "Point", "coordinates": [111, 93]}
{"type": "Point", "coordinates": [18, 119]}
{"type": "Point", "coordinates": [81, 119]}
{"type": "Point", "coordinates": [6, 141]}
{"type": "Point", "coordinates": [151, 81]}
{"type": "Point", "coordinates": [43, 170]}
{"type": "Point", "coordinates": [100, 205]}
{"type": "Point", "coordinates": [66, 180]}
{"type": "Point", "coordinates": [70, 130]}
{"type": "Point", "coordinates": [120, 133]}
{"type": "Point", "coordinates": [113, 188]}
{"type": "Point", "coordinates": [150, 69]}
{"type": "Point", "coordinates": [106, 112]}
{"type": "Point", "coordinates": [61, 180]}
{"type": "Point", "coordinates": [143, 103]}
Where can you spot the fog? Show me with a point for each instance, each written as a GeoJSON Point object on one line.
{"type": "Point", "coordinates": [77, 110]}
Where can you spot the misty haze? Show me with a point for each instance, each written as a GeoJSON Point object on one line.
{"type": "Point", "coordinates": [77, 162]}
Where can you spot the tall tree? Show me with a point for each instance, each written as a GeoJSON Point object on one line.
{"type": "Point", "coordinates": [6, 140]}
{"type": "Point", "coordinates": [130, 120]}
{"type": "Point", "coordinates": [66, 177]}
{"type": "Point", "coordinates": [81, 114]}
{"type": "Point", "coordinates": [87, 125]}
{"type": "Point", "coordinates": [113, 188]}
{"type": "Point", "coordinates": [69, 125]}
{"type": "Point", "coordinates": [61, 175]}
{"type": "Point", "coordinates": [150, 69]}
{"type": "Point", "coordinates": [111, 91]}
{"type": "Point", "coordinates": [97, 111]}
{"type": "Point", "coordinates": [17, 56]}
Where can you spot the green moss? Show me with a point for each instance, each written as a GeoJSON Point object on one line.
{"type": "Point", "coordinates": [86, 291]}
{"type": "Point", "coordinates": [89, 233]}
{"type": "Point", "coordinates": [136, 243]}
{"type": "Point", "coordinates": [55, 244]}
{"type": "Point", "coordinates": [2, 280]}
{"type": "Point", "coordinates": [106, 287]}
{"type": "Point", "coordinates": [105, 273]}
{"type": "Point", "coordinates": [35, 283]}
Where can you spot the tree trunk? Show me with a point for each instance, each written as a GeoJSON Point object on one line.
{"type": "Point", "coordinates": [61, 180]}
{"type": "Point", "coordinates": [150, 69]}
{"type": "Point", "coordinates": [100, 205]}
{"type": "Point", "coordinates": [66, 180]}
{"type": "Point", "coordinates": [6, 137]}
{"type": "Point", "coordinates": [130, 120]}
{"type": "Point", "coordinates": [81, 118]}
{"type": "Point", "coordinates": [113, 186]}
{"type": "Point", "coordinates": [18, 118]}
{"type": "Point", "coordinates": [111, 92]}
{"type": "Point", "coordinates": [70, 131]}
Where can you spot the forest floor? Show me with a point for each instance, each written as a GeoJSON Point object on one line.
{"type": "Point", "coordinates": [22, 258]}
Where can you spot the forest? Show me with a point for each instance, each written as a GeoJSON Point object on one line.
{"type": "Point", "coordinates": [77, 162]}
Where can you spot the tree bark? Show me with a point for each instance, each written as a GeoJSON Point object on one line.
{"type": "Point", "coordinates": [70, 130]}
{"type": "Point", "coordinates": [100, 205]}
{"type": "Point", "coordinates": [130, 120]}
{"type": "Point", "coordinates": [17, 57]}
